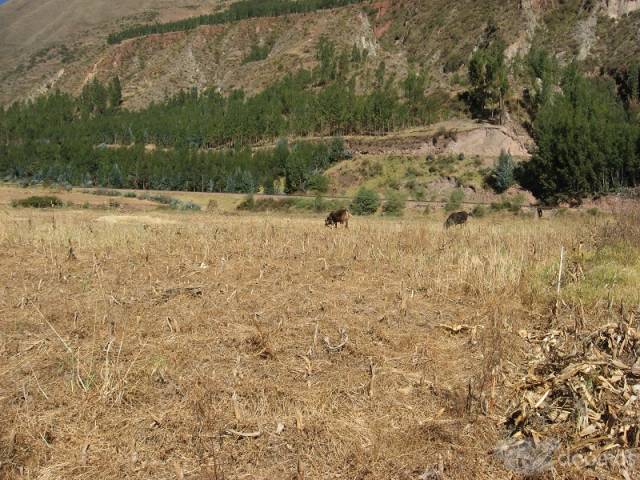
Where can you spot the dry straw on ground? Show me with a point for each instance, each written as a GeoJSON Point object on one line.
{"type": "Point", "coordinates": [267, 347]}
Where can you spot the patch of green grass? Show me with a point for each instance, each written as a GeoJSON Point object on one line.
{"type": "Point", "coordinates": [608, 272]}
{"type": "Point", "coordinates": [613, 271]}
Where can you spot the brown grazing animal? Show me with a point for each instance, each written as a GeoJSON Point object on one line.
{"type": "Point", "coordinates": [456, 218]}
{"type": "Point", "coordinates": [338, 216]}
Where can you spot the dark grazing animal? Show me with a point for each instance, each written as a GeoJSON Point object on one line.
{"type": "Point", "coordinates": [539, 212]}
{"type": "Point", "coordinates": [456, 218]}
{"type": "Point", "coordinates": [338, 216]}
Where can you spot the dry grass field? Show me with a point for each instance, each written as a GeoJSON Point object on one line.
{"type": "Point", "coordinates": [208, 346]}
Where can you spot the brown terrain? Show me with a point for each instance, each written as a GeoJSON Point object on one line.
{"type": "Point", "coordinates": [209, 346]}
{"type": "Point", "coordinates": [142, 342]}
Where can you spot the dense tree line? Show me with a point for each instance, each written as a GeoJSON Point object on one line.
{"type": "Point", "coordinates": [586, 142]}
{"type": "Point", "coordinates": [283, 169]}
{"type": "Point", "coordinates": [92, 140]}
{"type": "Point", "coordinates": [237, 11]}
{"type": "Point", "coordinates": [586, 130]}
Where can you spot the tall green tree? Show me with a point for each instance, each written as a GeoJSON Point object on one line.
{"type": "Point", "coordinates": [327, 61]}
{"type": "Point", "coordinates": [585, 143]}
{"type": "Point", "coordinates": [488, 76]}
{"type": "Point", "coordinates": [115, 92]}
{"type": "Point", "coordinates": [502, 175]}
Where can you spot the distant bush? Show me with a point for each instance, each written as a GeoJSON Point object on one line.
{"type": "Point", "coordinates": [171, 202]}
{"type": "Point", "coordinates": [417, 192]}
{"type": "Point", "coordinates": [107, 193]}
{"type": "Point", "coordinates": [249, 203]}
{"type": "Point", "coordinates": [36, 201]}
{"type": "Point", "coordinates": [412, 171]}
{"type": "Point", "coordinates": [366, 202]}
{"type": "Point", "coordinates": [479, 211]}
{"type": "Point", "coordinates": [188, 205]}
{"type": "Point", "coordinates": [512, 204]}
{"type": "Point", "coordinates": [163, 199]}
{"type": "Point", "coordinates": [318, 183]}
{"type": "Point", "coordinates": [130, 194]}
{"type": "Point", "coordinates": [454, 201]}
{"type": "Point", "coordinates": [394, 204]}
{"type": "Point", "coordinates": [317, 204]}
{"type": "Point", "coordinates": [257, 53]}
{"type": "Point", "coordinates": [212, 206]}
{"type": "Point", "coordinates": [594, 212]}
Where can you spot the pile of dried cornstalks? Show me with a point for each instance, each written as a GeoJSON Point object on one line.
{"type": "Point", "coordinates": [582, 391]}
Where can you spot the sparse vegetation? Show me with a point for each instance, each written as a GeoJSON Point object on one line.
{"type": "Point", "coordinates": [240, 10]}
{"type": "Point", "coordinates": [257, 53]}
{"type": "Point", "coordinates": [38, 201]}
{"type": "Point", "coordinates": [371, 311]}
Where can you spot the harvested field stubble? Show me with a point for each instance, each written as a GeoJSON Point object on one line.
{"type": "Point", "coordinates": [264, 347]}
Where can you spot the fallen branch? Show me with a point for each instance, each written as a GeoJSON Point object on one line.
{"type": "Point", "coordinates": [457, 328]}
{"type": "Point", "coordinates": [236, 433]}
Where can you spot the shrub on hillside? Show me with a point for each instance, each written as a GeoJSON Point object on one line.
{"type": "Point", "coordinates": [318, 183]}
{"type": "Point", "coordinates": [366, 202]}
{"type": "Point", "coordinates": [454, 201]}
{"type": "Point", "coordinates": [37, 201]}
{"type": "Point", "coordinates": [394, 204]}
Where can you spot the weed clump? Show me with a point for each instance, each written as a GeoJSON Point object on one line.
{"type": "Point", "coordinates": [479, 211]}
{"type": "Point", "coordinates": [38, 201]}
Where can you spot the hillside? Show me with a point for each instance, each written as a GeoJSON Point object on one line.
{"type": "Point", "coordinates": [41, 40]}
{"type": "Point", "coordinates": [260, 96]}
{"type": "Point", "coordinates": [56, 44]}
